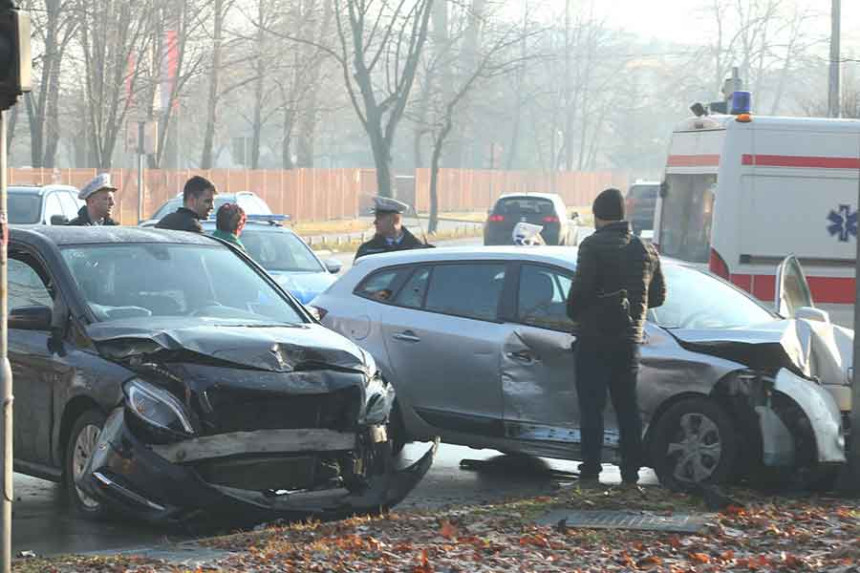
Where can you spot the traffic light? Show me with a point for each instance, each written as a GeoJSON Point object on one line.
{"type": "Point", "coordinates": [15, 63]}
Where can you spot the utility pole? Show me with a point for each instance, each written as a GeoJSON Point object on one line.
{"type": "Point", "coordinates": [833, 107]}
{"type": "Point", "coordinates": [141, 135]}
{"type": "Point", "coordinates": [15, 79]}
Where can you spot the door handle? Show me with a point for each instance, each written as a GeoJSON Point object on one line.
{"type": "Point", "coordinates": [521, 356]}
{"type": "Point", "coordinates": [406, 336]}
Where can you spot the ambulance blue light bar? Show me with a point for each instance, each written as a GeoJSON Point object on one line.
{"type": "Point", "coordinates": [741, 103]}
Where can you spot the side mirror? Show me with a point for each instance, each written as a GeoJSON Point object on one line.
{"type": "Point", "coordinates": [31, 318]}
{"type": "Point", "coordinates": [59, 220]}
{"type": "Point", "coordinates": [333, 266]}
{"type": "Point", "coordinates": [809, 313]}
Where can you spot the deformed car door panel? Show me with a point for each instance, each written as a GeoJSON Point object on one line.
{"type": "Point", "coordinates": [448, 365]}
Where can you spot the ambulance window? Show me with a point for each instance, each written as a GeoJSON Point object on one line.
{"type": "Point", "coordinates": [685, 223]}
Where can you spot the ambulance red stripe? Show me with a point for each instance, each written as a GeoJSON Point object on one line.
{"type": "Point", "coordinates": [800, 161]}
{"type": "Point", "coordinates": [693, 160]}
{"type": "Point", "coordinates": [825, 290]}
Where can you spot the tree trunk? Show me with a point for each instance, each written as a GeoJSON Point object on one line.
{"type": "Point", "coordinates": [214, 86]}
{"type": "Point", "coordinates": [382, 160]}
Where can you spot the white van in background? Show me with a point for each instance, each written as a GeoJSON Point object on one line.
{"type": "Point", "coordinates": [742, 192]}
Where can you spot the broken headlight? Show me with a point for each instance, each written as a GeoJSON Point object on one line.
{"type": "Point", "coordinates": [157, 407]}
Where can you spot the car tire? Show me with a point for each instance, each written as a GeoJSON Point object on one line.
{"type": "Point", "coordinates": [693, 444]}
{"type": "Point", "coordinates": [80, 446]}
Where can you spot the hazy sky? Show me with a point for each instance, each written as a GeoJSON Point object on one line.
{"type": "Point", "coordinates": [682, 20]}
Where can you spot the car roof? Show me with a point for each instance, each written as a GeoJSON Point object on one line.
{"type": "Point", "coordinates": [561, 256]}
{"type": "Point", "coordinates": [550, 196]}
{"type": "Point", "coordinates": [62, 235]}
{"type": "Point", "coordinates": [40, 189]}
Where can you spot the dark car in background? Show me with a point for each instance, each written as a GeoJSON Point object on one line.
{"type": "Point", "coordinates": [247, 200]}
{"type": "Point", "coordinates": [45, 205]}
{"type": "Point", "coordinates": [641, 202]}
{"type": "Point", "coordinates": [545, 209]}
{"type": "Point", "coordinates": [163, 374]}
{"type": "Point", "coordinates": [286, 257]}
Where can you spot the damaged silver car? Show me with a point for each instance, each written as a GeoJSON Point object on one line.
{"type": "Point", "coordinates": [479, 346]}
{"type": "Point", "coordinates": [166, 375]}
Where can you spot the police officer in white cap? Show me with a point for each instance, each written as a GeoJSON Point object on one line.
{"type": "Point", "coordinates": [98, 194]}
{"type": "Point", "coordinates": [390, 235]}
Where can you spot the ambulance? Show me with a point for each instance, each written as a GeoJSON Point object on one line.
{"type": "Point", "coordinates": [741, 192]}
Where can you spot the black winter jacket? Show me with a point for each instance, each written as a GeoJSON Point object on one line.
{"type": "Point", "coordinates": [83, 219]}
{"type": "Point", "coordinates": [181, 220]}
{"type": "Point", "coordinates": [611, 260]}
{"type": "Point", "coordinates": [378, 244]}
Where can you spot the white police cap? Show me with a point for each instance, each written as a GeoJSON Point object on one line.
{"type": "Point", "coordinates": [100, 182]}
{"type": "Point", "coordinates": [383, 205]}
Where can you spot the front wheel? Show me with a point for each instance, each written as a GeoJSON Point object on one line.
{"type": "Point", "coordinates": [83, 441]}
{"type": "Point", "coordinates": [693, 444]}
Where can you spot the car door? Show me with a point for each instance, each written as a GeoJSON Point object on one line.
{"type": "Point", "coordinates": [35, 368]}
{"type": "Point", "coordinates": [792, 289]}
{"type": "Point", "coordinates": [537, 360]}
{"type": "Point", "coordinates": [442, 335]}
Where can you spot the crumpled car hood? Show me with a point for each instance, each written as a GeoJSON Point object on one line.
{"type": "Point", "coordinates": [266, 347]}
{"type": "Point", "coordinates": [809, 348]}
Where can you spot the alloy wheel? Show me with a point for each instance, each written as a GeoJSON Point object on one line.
{"type": "Point", "coordinates": [696, 449]}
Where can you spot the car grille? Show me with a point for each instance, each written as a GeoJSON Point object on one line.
{"type": "Point", "coordinates": [241, 410]}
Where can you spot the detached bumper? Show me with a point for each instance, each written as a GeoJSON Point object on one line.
{"type": "Point", "coordinates": [167, 484]}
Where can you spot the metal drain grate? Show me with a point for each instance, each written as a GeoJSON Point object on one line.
{"type": "Point", "coordinates": [640, 520]}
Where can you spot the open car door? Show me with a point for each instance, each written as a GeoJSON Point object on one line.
{"type": "Point", "coordinates": [792, 290]}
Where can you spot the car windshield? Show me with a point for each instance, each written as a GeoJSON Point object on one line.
{"type": "Point", "coordinates": [24, 208]}
{"type": "Point", "coordinates": [698, 300]}
{"type": "Point", "coordinates": [685, 223]}
{"type": "Point", "coordinates": [175, 280]}
{"type": "Point", "coordinates": [280, 251]}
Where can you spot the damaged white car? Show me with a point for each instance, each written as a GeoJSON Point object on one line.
{"type": "Point", "coordinates": [479, 345]}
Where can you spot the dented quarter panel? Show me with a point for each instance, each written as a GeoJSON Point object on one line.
{"type": "Point", "coordinates": [820, 409]}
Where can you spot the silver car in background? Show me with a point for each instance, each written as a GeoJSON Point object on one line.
{"type": "Point", "coordinates": [478, 345]}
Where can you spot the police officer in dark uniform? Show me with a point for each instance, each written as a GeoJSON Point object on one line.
{"type": "Point", "coordinates": [99, 197]}
{"type": "Point", "coordinates": [390, 235]}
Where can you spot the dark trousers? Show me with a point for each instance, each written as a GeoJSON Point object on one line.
{"type": "Point", "coordinates": [612, 366]}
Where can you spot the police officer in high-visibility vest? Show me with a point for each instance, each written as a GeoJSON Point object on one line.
{"type": "Point", "coordinates": [390, 235]}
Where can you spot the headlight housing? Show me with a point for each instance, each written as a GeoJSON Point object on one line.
{"type": "Point", "coordinates": [157, 407]}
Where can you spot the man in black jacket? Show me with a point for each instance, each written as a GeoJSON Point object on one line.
{"type": "Point", "coordinates": [98, 194]}
{"type": "Point", "coordinates": [618, 278]}
{"type": "Point", "coordinates": [198, 200]}
{"type": "Point", "coordinates": [390, 235]}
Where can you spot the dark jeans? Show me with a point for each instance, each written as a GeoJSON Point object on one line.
{"type": "Point", "coordinates": [612, 366]}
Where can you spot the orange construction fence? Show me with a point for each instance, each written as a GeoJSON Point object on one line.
{"type": "Point", "coordinates": [324, 194]}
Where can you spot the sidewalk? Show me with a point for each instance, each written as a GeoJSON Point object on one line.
{"type": "Point", "coordinates": [599, 530]}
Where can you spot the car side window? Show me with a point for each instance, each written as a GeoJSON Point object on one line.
{"type": "Point", "coordinates": [26, 287]}
{"type": "Point", "coordinates": [470, 290]}
{"type": "Point", "coordinates": [381, 285]}
{"type": "Point", "coordinates": [70, 206]}
{"type": "Point", "coordinates": [413, 292]}
{"type": "Point", "coordinates": [542, 297]}
{"type": "Point", "coordinates": [52, 207]}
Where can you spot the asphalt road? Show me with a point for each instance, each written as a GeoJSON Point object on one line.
{"type": "Point", "coordinates": [42, 523]}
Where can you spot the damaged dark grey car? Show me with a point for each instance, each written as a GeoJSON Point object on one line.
{"type": "Point", "coordinates": [166, 375]}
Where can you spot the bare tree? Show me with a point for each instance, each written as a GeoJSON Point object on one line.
{"type": "Point", "coordinates": [114, 36]}
{"type": "Point", "coordinates": [54, 26]}
{"type": "Point", "coordinates": [383, 41]}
